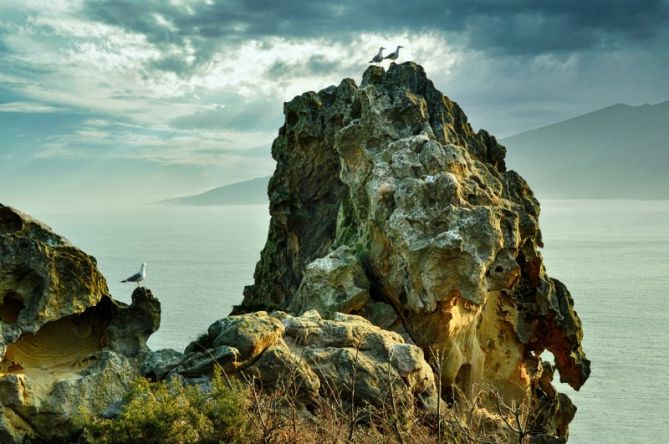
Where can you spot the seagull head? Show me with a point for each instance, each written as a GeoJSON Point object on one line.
{"type": "Point", "coordinates": [143, 264]}
{"type": "Point", "coordinates": [399, 46]}
{"type": "Point", "coordinates": [382, 47]}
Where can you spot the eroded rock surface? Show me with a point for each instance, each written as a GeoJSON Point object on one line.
{"type": "Point", "coordinates": [312, 354]}
{"type": "Point", "coordinates": [389, 178]}
{"type": "Point", "coordinates": [65, 344]}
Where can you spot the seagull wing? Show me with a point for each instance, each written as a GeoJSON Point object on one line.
{"type": "Point", "coordinates": [134, 278]}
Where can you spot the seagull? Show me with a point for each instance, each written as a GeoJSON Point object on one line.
{"type": "Point", "coordinates": [378, 58]}
{"type": "Point", "coordinates": [394, 55]}
{"type": "Point", "coordinates": [137, 277]}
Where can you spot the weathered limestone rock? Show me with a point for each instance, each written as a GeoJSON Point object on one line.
{"type": "Point", "coordinates": [334, 283]}
{"type": "Point", "coordinates": [65, 344]}
{"type": "Point", "coordinates": [315, 355]}
{"type": "Point", "coordinates": [391, 177]}
{"type": "Point", "coordinates": [35, 264]}
{"type": "Point", "coordinates": [130, 327]}
{"type": "Point", "coordinates": [304, 207]}
{"type": "Point", "coordinates": [158, 364]}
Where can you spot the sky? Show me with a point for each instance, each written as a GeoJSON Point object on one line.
{"type": "Point", "coordinates": [114, 102]}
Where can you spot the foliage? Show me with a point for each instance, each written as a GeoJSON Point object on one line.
{"type": "Point", "coordinates": [173, 413]}
{"type": "Point", "coordinates": [246, 412]}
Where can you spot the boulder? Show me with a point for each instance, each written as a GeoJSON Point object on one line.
{"type": "Point", "coordinates": [66, 345]}
{"type": "Point", "coordinates": [331, 284]}
{"type": "Point", "coordinates": [384, 194]}
{"type": "Point", "coordinates": [158, 364]}
{"type": "Point", "coordinates": [346, 356]}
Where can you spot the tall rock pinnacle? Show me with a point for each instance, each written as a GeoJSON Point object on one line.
{"type": "Point", "coordinates": [385, 203]}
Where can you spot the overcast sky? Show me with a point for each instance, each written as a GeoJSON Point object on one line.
{"type": "Point", "coordinates": [170, 97]}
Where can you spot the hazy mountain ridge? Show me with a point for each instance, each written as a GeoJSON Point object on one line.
{"type": "Point", "coordinates": [620, 151]}
{"type": "Point", "coordinates": [616, 152]}
{"type": "Point", "coordinates": [248, 192]}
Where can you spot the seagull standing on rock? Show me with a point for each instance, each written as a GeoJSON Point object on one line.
{"type": "Point", "coordinates": [137, 277]}
{"type": "Point", "coordinates": [394, 55]}
{"type": "Point", "coordinates": [378, 58]}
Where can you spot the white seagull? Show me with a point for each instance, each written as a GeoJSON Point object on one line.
{"type": "Point", "coordinates": [137, 277]}
{"type": "Point", "coordinates": [394, 55]}
{"type": "Point", "coordinates": [378, 58]}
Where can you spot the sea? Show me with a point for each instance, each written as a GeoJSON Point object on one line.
{"type": "Point", "coordinates": [613, 255]}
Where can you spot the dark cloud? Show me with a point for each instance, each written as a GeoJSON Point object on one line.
{"type": "Point", "coordinates": [563, 26]}
{"type": "Point", "coordinates": [516, 27]}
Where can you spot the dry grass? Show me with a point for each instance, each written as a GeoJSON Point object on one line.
{"type": "Point", "coordinates": [241, 410]}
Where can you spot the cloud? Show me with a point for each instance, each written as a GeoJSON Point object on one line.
{"type": "Point", "coordinates": [315, 65]}
{"type": "Point", "coordinates": [55, 151]}
{"type": "Point", "coordinates": [199, 85]}
{"type": "Point", "coordinates": [510, 27]}
{"type": "Point", "coordinates": [27, 107]}
{"type": "Point", "coordinates": [235, 113]}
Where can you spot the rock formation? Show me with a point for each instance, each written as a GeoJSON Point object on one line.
{"type": "Point", "coordinates": [65, 344]}
{"type": "Point", "coordinates": [397, 237]}
{"type": "Point", "coordinates": [385, 203]}
{"type": "Point", "coordinates": [313, 355]}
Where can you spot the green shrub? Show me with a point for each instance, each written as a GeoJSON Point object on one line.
{"type": "Point", "coordinates": [171, 413]}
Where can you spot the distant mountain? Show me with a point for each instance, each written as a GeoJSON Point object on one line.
{"type": "Point", "coordinates": [617, 152]}
{"type": "Point", "coordinates": [252, 191]}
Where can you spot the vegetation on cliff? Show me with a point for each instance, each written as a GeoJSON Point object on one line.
{"type": "Point", "coordinates": [168, 412]}
{"type": "Point", "coordinates": [242, 411]}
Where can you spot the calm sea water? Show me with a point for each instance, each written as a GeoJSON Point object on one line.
{"type": "Point", "coordinates": [613, 256]}
{"type": "Point", "coordinates": [199, 258]}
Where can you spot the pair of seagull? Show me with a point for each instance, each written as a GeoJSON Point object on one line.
{"type": "Point", "coordinates": [378, 58]}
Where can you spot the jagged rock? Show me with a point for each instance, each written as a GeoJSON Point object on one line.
{"type": "Point", "coordinates": [392, 174]}
{"type": "Point", "coordinates": [35, 264]}
{"type": "Point", "coordinates": [250, 335]}
{"type": "Point", "coordinates": [383, 315]}
{"type": "Point", "coordinates": [202, 362]}
{"type": "Point", "coordinates": [65, 344]}
{"type": "Point", "coordinates": [334, 283]}
{"type": "Point", "coordinates": [131, 327]}
{"type": "Point", "coordinates": [156, 365]}
{"type": "Point", "coordinates": [315, 355]}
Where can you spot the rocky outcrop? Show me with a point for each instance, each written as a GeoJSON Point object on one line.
{"type": "Point", "coordinates": [385, 201]}
{"type": "Point", "coordinates": [346, 355]}
{"type": "Point", "coordinates": [331, 284]}
{"type": "Point", "coordinates": [65, 344]}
